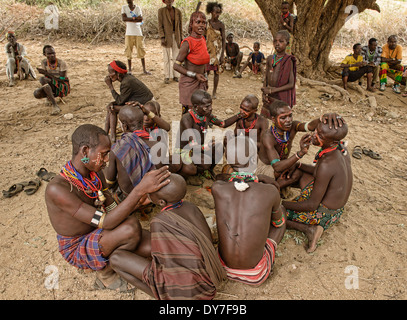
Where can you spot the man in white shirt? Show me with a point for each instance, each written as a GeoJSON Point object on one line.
{"type": "Point", "coordinates": [132, 15]}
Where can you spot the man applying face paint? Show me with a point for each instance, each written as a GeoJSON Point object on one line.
{"type": "Point", "coordinates": [276, 143]}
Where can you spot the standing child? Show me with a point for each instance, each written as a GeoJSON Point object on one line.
{"type": "Point", "coordinates": [287, 23]}
{"type": "Point", "coordinates": [255, 61]}
{"type": "Point", "coordinates": [215, 42]}
{"type": "Point", "coordinates": [133, 16]}
{"type": "Point", "coordinates": [281, 70]}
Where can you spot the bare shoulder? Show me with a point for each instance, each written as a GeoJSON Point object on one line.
{"type": "Point", "coordinates": [56, 186]}
{"type": "Point", "coordinates": [263, 121]}
{"type": "Point", "coordinates": [217, 186]}
{"type": "Point", "coordinates": [59, 192]}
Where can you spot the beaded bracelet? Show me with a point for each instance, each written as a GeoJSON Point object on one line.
{"type": "Point", "coordinates": [274, 161]}
{"type": "Point", "coordinates": [111, 206]}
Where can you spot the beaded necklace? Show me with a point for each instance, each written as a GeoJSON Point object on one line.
{"type": "Point", "coordinates": [142, 134]}
{"type": "Point", "coordinates": [285, 16]}
{"type": "Point", "coordinates": [321, 151]}
{"type": "Point", "coordinates": [275, 62]}
{"type": "Point", "coordinates": [89, 187]}
{"type": "Point", "coordinates": [282, 140]}
{"type": "Point", "coordinates": [154, 127]}
{"type": "Point", "coordinates": [53, 67]}
{"type": "Point", "coordinates": [243, 177]}
{"type": "Point", "coordinates": [370, 55]}
{"type": "Point", "coordinates": [252, 125]}
{"type": "Point", "coordinates": [199, 120]}
{"type": "Point", "coordinates": [173, 206]}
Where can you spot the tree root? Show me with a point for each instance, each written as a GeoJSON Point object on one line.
{"type": "Point", "coordinates": [333, 87]}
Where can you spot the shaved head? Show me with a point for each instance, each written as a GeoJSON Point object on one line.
{"type": "Point", "coordinates": [132, 117]}
{"type": "Point", "coordinates": [334, 134]}
{"type": "Point", "coordinates": [172, 192]}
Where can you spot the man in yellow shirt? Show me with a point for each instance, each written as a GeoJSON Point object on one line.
{"type": "Point", "coordinates": [354, 68]}
{"type": "Point", "coordinates": [391, 63]}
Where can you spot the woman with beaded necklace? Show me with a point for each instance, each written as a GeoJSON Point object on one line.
{"type": "Point", "coordinates": [192, 59]}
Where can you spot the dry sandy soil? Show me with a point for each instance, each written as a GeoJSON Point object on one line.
{"type": "Point", "coordinates": [370, 238]}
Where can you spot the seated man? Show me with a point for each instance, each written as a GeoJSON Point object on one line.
{"type": "Point", "coordinates": [372, 56]}
{"type": "Point", "coordinates": [392, 56]}
{"type": "Point", "coordinates": [16, 61]}
{"type": "Point", "coordinates": [249, 217]}
{"type": "Point", "coordinates": [250, 119]}
{"type": "Point", "coordinates": [131, 89]}
{"type": "Point", "coordinates": [255, 61]}
{"type": "Point", "coordinates": [89, 224]}
{"type": "Point", "coordinates": [196, 156]}
{"type": "Point", "coordinates": [129, 159]}
{"type": "Point", "coordinates": [233, 54]}
{"type": "Point", "coordinates": [325, 187]}
{"type": "Point", "coordinates": [276, 143]}
{"type": "Point", "coordinates": [184, 262]}
{"type": "Point", "coordinates": [354, 68]}
{"type": "Point", "coordinates": [55, 82]}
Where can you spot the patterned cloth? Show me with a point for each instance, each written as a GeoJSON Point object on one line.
{"type": "Point", "coordinates": [323, 216]}
{"type": "Point", "coordinates": [374, 57]}
{"type": "Point", "coordinates": [184, 262]}
{"type": "Point", "coordinates": [134, 154]}
{"type": "Point", "coordinates": [83, 252]}
{"type": "Point", "coordinates": [396, 70]}
{"type": "Point", "coordinates": [60, 87]}
{"type": "Point", "coordinates": [257, 275]}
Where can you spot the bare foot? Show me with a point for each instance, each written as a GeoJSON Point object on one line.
{"type": "Point", "coordinates": [147, 72]}
{"type": "Point", "coordinates": [56, 110]}
{"type": "Point", "coordinates": [313, 234]}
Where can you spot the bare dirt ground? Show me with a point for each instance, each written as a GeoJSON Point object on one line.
{"type": "Point", "coordinates": [368, 242]}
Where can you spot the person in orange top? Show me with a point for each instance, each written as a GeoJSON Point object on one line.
{"type": "Point", "coordinates": [391, 63]}
{"type": "Point", "coordinates": [192, 60]}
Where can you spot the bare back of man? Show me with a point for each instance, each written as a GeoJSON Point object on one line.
{"type": "Point", "coordinates": [244, 222]}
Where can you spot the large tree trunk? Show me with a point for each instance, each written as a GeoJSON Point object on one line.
{"type": "Point", "coordinates": [318, 23]}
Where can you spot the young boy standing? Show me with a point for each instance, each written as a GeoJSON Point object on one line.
{"type": "Point", "coordinates": [287, 23]}
{"type": "Point", "coordinates": [132, 15]}
{"type": "Point", "coordinates": [281, 70]}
